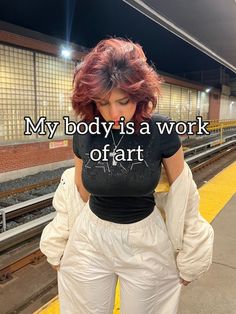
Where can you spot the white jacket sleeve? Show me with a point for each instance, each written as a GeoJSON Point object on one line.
{"type": "Point", "coordinates": [190, 234]}
{"type": "Point", "coordinates": [55, 235]}
{"type": "Point", "coordinates": [195, 256]}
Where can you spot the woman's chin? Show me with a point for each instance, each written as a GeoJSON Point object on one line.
{"type": "Point", "coordinates": [116, 127]}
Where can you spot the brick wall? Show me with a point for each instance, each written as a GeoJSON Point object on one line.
{"type": "Point", "coordinates": [214, 106]}
{"type": "Point", "coordinates": [20, 156]}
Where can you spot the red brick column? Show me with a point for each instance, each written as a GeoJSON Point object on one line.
{"type": "Point", "coordinates": [214, 106]}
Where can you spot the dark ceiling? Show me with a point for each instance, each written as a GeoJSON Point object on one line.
{"type": "Point", "coordinates": [208, 25]}
{"type": "Point", "coordinates": [85, 22]}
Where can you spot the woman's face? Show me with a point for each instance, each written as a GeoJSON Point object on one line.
{"type": "Point", "coordinates": [118, 104]}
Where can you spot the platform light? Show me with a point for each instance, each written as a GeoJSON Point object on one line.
{"type": "Point", "coordinates": [66, 52]}
{"type": "Point", "coordinates": [207, 90]}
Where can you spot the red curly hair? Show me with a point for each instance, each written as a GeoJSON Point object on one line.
{"type": "Point", "coordinates": [115, 63]}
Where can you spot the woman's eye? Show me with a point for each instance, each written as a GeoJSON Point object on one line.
{"type": "Point", "coordinates": [124, 102]}
{"type": "Point", "coordinates": [102, 103]}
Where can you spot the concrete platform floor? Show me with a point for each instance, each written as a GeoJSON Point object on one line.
{"type": "Point", "coordinates": [215, 292]}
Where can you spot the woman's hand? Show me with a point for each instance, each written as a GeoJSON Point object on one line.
{"type": "Point", "coordinates": [55, 267]}
{"type": "Point", "coordinates": [184, 282]}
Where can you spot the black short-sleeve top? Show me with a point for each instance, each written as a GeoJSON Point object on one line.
{"type": "Point", "coordinates": [122, 190]}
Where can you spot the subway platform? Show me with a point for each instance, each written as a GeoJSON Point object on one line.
{"type": "Point", "coordinates": [215, 291]}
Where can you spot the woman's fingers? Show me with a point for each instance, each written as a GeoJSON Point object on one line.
{"type": "Point", "coordinates": [184, 282]}
{"type": "Point", "coordinates": [55, 267]}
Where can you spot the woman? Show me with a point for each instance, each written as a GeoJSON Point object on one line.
{"type": "Point", "coordinates": [115, 81]}
{"type": "Point", "coordinates": [120, 232]}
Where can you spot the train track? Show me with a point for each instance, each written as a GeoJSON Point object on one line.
{"type": "Point", "coordinates": [212, 160]}
{"type": "Point", "coordinates": [34, 228]}
{"type": "Point", "coordinates": [26, 207]}
{"type": "Point", "coordinates": [28, 188]}
{"type": "Point", "coordinates": [197, 158]}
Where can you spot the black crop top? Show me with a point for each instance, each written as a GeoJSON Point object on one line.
{"type": "Point", "coordinates": [122, 191]}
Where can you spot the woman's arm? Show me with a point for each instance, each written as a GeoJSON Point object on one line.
{"type": "Point", "coordinates": [78, 179]}
{"type": "Point", "coordinates": [174, 165]}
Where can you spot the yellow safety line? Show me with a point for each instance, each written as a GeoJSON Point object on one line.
{"type": "Point", "coordinates": [117, 300]}
{"type": "Point", "coordinates": [213, 197]}
{"type": "Point", "coordinates": [217, 192]}
{"type": "Point", "coordinates": [52, 307]}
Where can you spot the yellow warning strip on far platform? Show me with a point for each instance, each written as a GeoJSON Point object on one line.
{"type": "Point", "coordinates": [213, 197]}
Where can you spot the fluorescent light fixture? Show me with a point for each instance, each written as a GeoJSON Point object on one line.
{"type": "Point", "coordinates": [66, 52]}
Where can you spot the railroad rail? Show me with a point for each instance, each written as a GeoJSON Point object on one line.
{"type": "Point", "coordinates": [206, 146]}
{"type": "Point", "coordinates": [16, 210]}
{"type": "Point", "coordinates": [29, 187]}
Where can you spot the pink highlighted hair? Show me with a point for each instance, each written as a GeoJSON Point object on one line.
{"type": "Point", "coordinates": [115, 63]}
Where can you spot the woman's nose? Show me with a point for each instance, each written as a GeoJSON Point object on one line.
{"type": "Point", "coordinates": [114, 112]}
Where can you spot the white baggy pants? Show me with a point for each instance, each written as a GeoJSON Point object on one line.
{"type": "Point", "coordinates": [99, 251]}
